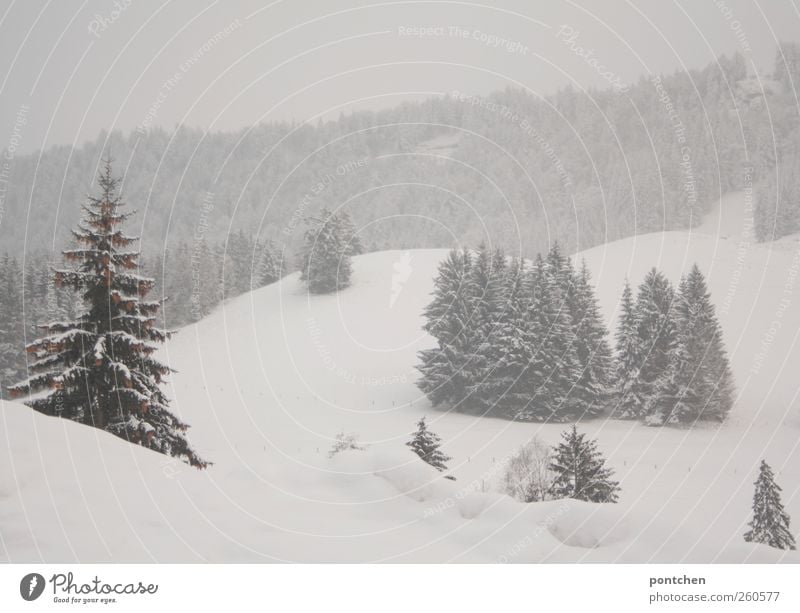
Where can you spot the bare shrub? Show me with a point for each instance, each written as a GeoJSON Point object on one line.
{"type": "Point", "coordinates": [527, 476]}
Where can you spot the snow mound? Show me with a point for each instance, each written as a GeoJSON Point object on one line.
{"type": "Point", "coordinates": [588, 526]}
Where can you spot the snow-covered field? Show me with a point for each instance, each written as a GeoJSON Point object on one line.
{"type": "Point", "coordinates": [269, 379]}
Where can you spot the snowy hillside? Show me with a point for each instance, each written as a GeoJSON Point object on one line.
{"type": "Point", "coordinates": [270, 378]}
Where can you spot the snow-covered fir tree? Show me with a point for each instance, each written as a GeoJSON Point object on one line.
{"type": "Point", "coordinates": [508, 344]}
{"type": "Point", "coordinates": [554, 367]}
{"type": "Point", "coordinates": [487, 302]}
{"type": "Point", "coordinates": [346, 229]}
{"type": "Point", "coordinates": [628, 359]}
{"type": "Point", "coordinates": [702, 373]}
{"type": "Point", "coordinates": [580, 470]}
{"type": "Point", "coordinates": [770, 522]}
{"type": "Point", "coordinates": [237, 265]}
{"type": "Point", "coordinates": [696, 383]}
{"type": "Point", "coordinates": [512, 348]}
{"type": "Point", "coordinates": [325, 261]}
{"type": "Point", "coordinates": [272, 267]}
{"type": "Point", "coordinates": [593, 387]}
{"type": "Point", "coordinates": [426, 445]}
{"type": "Point", "coordinates": [99, 369]}
{"type": "Point", "coordinates": [657, 335]}
{"type": "Point", "coordinates": [447, 317]}
{"type": "Point", "coordinates": [11, 322]}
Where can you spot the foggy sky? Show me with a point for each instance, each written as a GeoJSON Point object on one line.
{"type": "Point", "coordinates": [70, 69]}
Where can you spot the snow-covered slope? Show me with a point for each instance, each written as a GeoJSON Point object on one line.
{"type": "Point", "coordinates": [270, 378]}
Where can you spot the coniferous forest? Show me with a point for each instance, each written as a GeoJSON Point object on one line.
{"type": "Point", "coordinates": [214, 249]}
{"type": "Point", "coordinates": [525, 341]}
{"type": "Point", "coordinates": [548, 178]}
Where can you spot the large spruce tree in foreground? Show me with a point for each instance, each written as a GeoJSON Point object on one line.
{"type": "Point", "coordinates": [99, 369]}
{"type": "Point", "coordinates": [580, 470]}
{"type": "Point", "coordinates": [770, 523]}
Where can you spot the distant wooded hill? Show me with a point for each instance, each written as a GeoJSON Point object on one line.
{"type": "Point", "coordinates": [582, 167]}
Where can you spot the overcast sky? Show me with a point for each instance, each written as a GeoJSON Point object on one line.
{"type": "Point", "coordinates": [71, 68]}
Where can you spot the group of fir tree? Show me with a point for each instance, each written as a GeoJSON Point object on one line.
{"type": "Point", "coordinates": [330, 241]}
{"type": "Point", "coordinates": [671, 362]}
{"type": "Point", "coordinates": [519, 341]}
{"type": "Point", "coordinates": [198, 275]}
{"type": "Point", "coordinates": [527, 342]}
{"type": "Point", "coordinates": [98, 368]}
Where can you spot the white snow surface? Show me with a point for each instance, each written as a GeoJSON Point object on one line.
{"type": "Point", "coordinates": [270, 378]}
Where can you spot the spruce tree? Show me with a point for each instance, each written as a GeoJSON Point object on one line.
{"type": "Point", "coordinates": [347, 231]}
{"type": "Point", "coordinates": [657, 335]}
{"type": "Point", "coordinates": [271, 267]}
{"type": "Point", "coordinates": [447, 317]}
{"type": "Point", "coordinates": [628, 362]}
{"type": "Point", "coordinates": [770, 523]}
{"type": "Point", "coordinates": [560, 267]}
{"type": "Point", "coordinates": [594, 354]}
{"type": "Point", "coordinates": [511, 349]}
{"type": "Point", "coordinates": [325, 261]}
{"type": "Point", "coordinates": [205, 279]}
{"type": "Point", "coordinates": [703, 375]}
{"type": "Point", "coordinates": [99, 369]}
{"type": "Point", "coordinates": [554, 368]}
{"type": "Point", "coordinates": [697, 384]}
{"type": "Point", "coordinates": [237, 264]}
{"type": "Point", "coordinates": [487, 303]}
{"type": "Point", "coordinates": [426, 445]}
{"type": "Point", "coordinates": [580, 470]}
{"type": "Point", "coordinates": [12, 361]}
